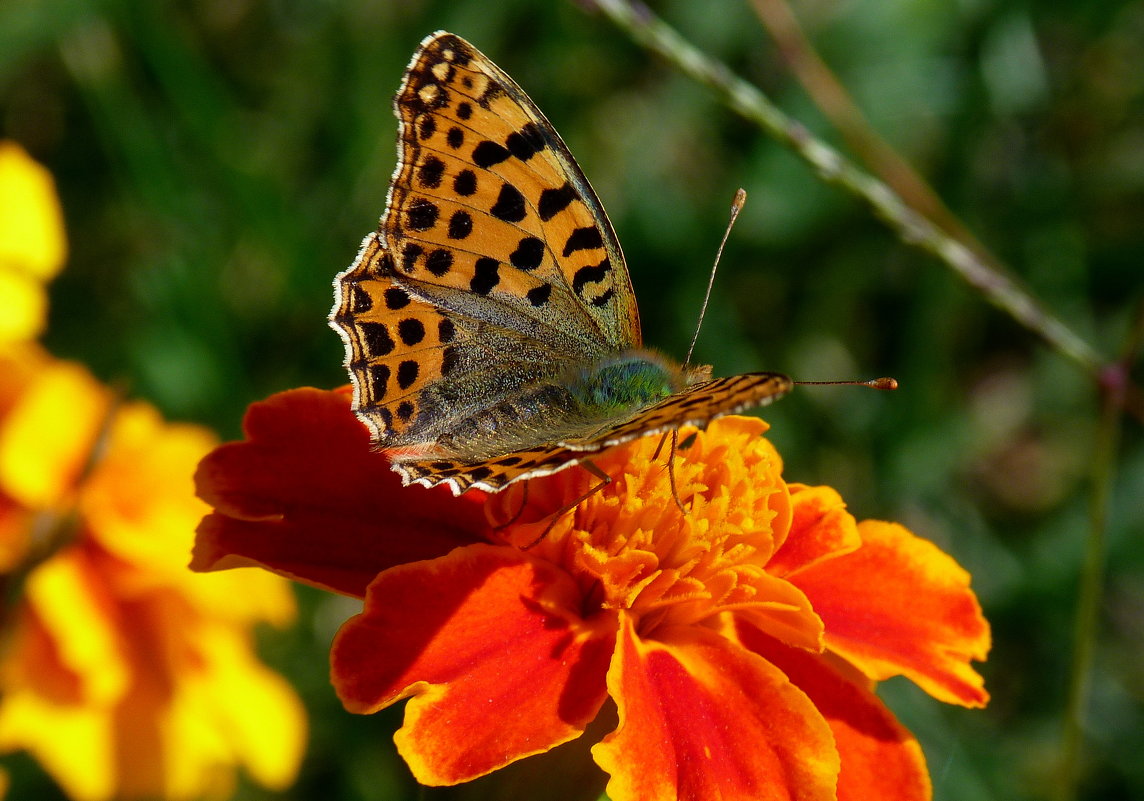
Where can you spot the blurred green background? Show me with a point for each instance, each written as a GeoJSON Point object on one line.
{"type": "Point", "coordinates": [220, 161]}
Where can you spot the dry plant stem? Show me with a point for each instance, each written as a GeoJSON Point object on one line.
{"type": "Point", "coordinates": [911, 226]}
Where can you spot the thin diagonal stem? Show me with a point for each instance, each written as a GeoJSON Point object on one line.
{"type": "Point", "coordinates": [912, 227]}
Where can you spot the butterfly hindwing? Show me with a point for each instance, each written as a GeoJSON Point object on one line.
{"type": "Point", "coordinates": [697, 405]}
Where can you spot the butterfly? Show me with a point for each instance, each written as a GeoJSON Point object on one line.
{"type": "Point", "coordinates": [490, 325]}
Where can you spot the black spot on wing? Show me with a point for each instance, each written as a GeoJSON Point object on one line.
{"type": "Point", "coordinates": [421, 214]}
{"type": "Point", "coordinates": [465, 183]}
{"type": "Point", "coordinates": [439, 262]}
{"type": "Point", "coordinates": [379, 379]}
{"type": "Point", "coordinates": [585, 238]}
{"type": "Point", "coordinates": [538, 296]}
{"type": "Point", "coordinates": [409, 256]}
{"type": "Point", "coordinates": [446, 330]}
{"type": "Point", "coordinates": [431, 172]}
{"type": "Point", "coordinates": [510, 204]}
{"type": "Point", "coordinates": [375, 337]}
{"type": "Point", "coordinates": [460, 225]}
{"type": "Point", "coordinates": [554, 201]}
{"type": "Point", "coordinates": [528, 255]}
{"type": "Point", "coordinates": [590, 275]}
{"type": "Point", "coordinates": [486, 276]}
{"type": "Point", "coordinates": [407, 373]}
{"type": "Point", "coordinates": [411, 331]}
{"type": "Point", "coordinates": [488, 154]}
{"type": "Point", "coordinates": [603, 298]}
{"type": "Point", "coordinates": [360, 301]}
{"type": "Point", "coordinates": [526, 142]}
{"type": "Point", "coordinates": [396, 298]}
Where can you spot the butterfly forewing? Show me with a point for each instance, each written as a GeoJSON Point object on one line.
{"type": "Point", "coordinates": [486, 200]}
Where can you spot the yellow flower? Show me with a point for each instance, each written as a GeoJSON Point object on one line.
{"type": "Point", "coordinates": [123, 673]}
{"type": "Point", "coordinates": [32, 244]}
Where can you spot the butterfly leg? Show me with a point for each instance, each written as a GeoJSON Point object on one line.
{"type": "Point", "coordinates": [676, 445]}
{"type": "Point", "coordinates": [671, 469]}
{"type": "Point", "coordinates": [595, 470]}
{"type": "Point", "coordinates": [671, 463]}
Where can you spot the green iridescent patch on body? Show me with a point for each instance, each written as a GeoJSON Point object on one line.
{"type": "Point", "coordinates": [625, 382]}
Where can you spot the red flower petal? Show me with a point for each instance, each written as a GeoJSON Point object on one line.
{"type": "Point", "coordinates": [914, 615]}
{"type": "Point", "coordinates": [305, 496]}
{"type": "Point", "coordinates": [880, 758]}
{"type": "Point", "coordinates": [702, 718]}
{"type": "Point", "coordinates": [489, 643]}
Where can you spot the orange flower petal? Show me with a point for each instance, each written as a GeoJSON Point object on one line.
{"type": "Point", "coordinates": [786, 614]}
{"type": "Point", "coordinates": [914, 615]}
{"type": "Point", "coordinates": [305, 496]}
{"type": "Point", "coordinates": [821, 528]}
{"type": "Point", "coordinates": [489, 643]}
{"type": "Point", "coordinates": [880, 758]}
{"type": "Point", "coordinates": [702, 718]}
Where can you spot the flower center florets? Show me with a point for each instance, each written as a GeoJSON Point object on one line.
{"type": "Point", "coordinates": [632, 547]}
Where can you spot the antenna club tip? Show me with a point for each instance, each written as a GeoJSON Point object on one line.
{"type": "Point", "coordinates": [884, 383]}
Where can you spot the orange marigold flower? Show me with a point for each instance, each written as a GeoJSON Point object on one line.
{"type": "Point", "coordinates": [738, 641]}
{"type": "Point", "coordinates": [124, 674]}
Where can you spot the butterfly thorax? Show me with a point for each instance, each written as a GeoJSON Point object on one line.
{"type": "Point", "coordinates": [626, 382]}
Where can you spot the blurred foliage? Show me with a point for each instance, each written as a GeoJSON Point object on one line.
{"type": "Point", "coordinates": [220, 161]}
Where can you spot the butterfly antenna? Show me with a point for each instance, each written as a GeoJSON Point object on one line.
{"type": "Point", "coordinates": [736, 207]}
{"type": "Point", "coordinates": [874, 383]}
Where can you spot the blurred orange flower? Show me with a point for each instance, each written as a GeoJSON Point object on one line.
{"type": "Point", "coordinates": [739, 642]}
{"type": "Point", "coordinates": [32, 244]}
{"type": "Point", "coordinates": [124, 674]}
